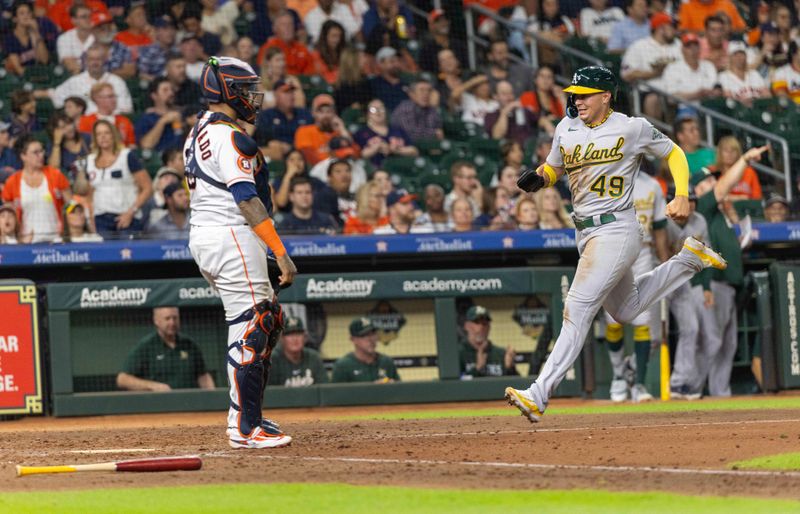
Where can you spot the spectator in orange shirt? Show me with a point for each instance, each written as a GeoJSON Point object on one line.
{"type": "Point", "coordinates": [298, 58]}
{"type": "Point", "coordinates": [138, 32]}
{"type": "Point", "coordinates": [313, 140]}
{"type": "Point", "coordinates": [370, 210]}
{"type": "Point", "coordinates": [728, 152]}
{"type": "Point", "coordinates": [328, 51]}
{"type": "Point", "coordinates": [693, 14]}
{"type": "Point", "coordinates": [103, 95]}
{"type": "Point", "coordinates": [58, 10]}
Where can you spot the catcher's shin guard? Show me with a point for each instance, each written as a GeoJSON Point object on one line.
{"type": "Point", "coordinates": [250, 358]}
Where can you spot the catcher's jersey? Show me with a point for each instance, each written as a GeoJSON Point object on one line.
{"type": "Point", "coordinates": [215, 158]}
{"type": "Point", "coordinates": [602, 162]}
{"type": "Point", "coordinates": [651, 209]}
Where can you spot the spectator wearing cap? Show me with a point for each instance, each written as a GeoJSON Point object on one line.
{"type": "Point", "coordinates": [694, 13]}
{"type": "Point", "coordinates": [597, 20]}
{"type": "Point", "coordinates": [388, 17]}
{"type": "Point", "coordinates": [9, 161]}
{"type": "Point", "coordinates": [120, 59]}
{"type": "Point", "coordinates": [342, 148]}
{"type": "Point", "coordinates": [714, 43]}
{"type": "Point", "coordinates": [282, 121]}
{"type": "Point", "coordinates": [192, 52]}
{"type": "Point", "coordinates": [313, 139]}
{"type": "Point", "coordinates": [71, 44]}
{"type": "Point", "coordinates": [81, 84]}
{"type": "Point", "coordinates": [511, 120]}
{"type": "Point", "coordinates": [170, 173]}
{"type": "Point", "coordinates": [175, 224]}
{"type": "Point", "coordinates": [786, 81]}
{"type": "Point", "coordinates": [187, 92]}
{"type": "Point", "coordinates": [191, 24]}
{"type": "Point", "coordinates": [417, 116]}
{"type": "Point", "coordinates": [24, 45]}
{"type": "Point", "coordinates": [153, 58]}
{"type": "Point", "coordinates": [387, 85]}
{"type": "Point", "coordinates": [104, 97]}
{"type": "Point", "coordinates": [9, 226]}
{"type": "Point", "coordinates": [776, 209]}
{"type": "Point", "coordinates": [303, 218]}
{"type": "Point", "coordinates": [739, 81]}
{"type": "Point", "coordinates": [646, 59]}
{"type": "Point", "coordinates": [477, 355]}
{"type": "Point", "coordinates": [439, 38]}
{"type": "Point", "coordinates": [691, 79]}
{"type": "Point", "coordinates": [218, 18]}
{"type": "Point", "coordinates": [364, 363]}
{"type": "Point", "coordinates": [500, 67]}
{"type": "Point", "coordinates": [77, 228]}
{"type": "Point", "coordinates": [137, 35]}
{"type": "Point", "coordinates": [402, 215]}
{"type": "Point", "coordinates": [632, 28]}
{"type": "Point", "coordinates": [379, 140]}
{"type": "Point", "coordinates": [687, 133]}
{"type": "Point", "coordinates": [298, 58]}
{"type": "Point", "coordinates": [37, 192]}
{"type": "Point", "coordinates": [161, 126]}
{"type": "Point", "coordinates": [293, 364]}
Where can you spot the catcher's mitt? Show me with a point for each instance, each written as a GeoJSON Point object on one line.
{"type": "Point", "coordinates": [530, 181]}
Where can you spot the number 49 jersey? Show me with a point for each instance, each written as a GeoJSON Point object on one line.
{"type": "Point", "coordinates": [602, 162]}
{"type": "Point", "coordinates": [217, 155]}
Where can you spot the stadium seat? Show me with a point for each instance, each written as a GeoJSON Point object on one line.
{"type": "Point", "coordinates": [755, 208]}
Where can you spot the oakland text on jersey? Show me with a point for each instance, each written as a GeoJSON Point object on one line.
{"type": "Point", "coordinates": [592, 156]}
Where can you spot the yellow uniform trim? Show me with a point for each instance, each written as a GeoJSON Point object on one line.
{"type": "Point", "coordinates": [613, 332]}
{"type": "Point", "coordinates": [679, 168]}
{"type": "Point", "coordinates": [641, 333]}
{"type": "Point", "coordinates": [551, 174]}
{"type": "Point", "coordinates": [582, 90]}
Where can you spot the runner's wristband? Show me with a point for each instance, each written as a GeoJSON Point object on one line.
{"type": "Point", "coordinates": [266, 231]}
{"type": "Point", "coordinates": [551, 174]}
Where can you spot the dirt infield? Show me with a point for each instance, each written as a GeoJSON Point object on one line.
{"type": "Point", "coordinates": [686, 453]}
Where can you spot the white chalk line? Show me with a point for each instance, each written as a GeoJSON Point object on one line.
{"type": "Point", "coordinates": [519, 465]}
{"type": "Point", "coordinates": [116, 450]}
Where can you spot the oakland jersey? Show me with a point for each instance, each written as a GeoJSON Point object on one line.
{"type": "Point", "coordinates": [212, 154]}
{"type": "Point", "coordinates": [651, 208]}
{"type": "Point", "coordinates": [602, 162]}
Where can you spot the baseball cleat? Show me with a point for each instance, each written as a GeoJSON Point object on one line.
{"type": "Point", "coordinates": [619, 390]}
{"type": "Point", "coordinates": [524, 402]}
{"type": "Point", "coordinates": [260, 439]}
{"type": "Point", "coordinates": [707, 256]}
{"type": "Point", "coordinates": [639, 393]}
{"type": "Point", "coordinates": [684, 392]}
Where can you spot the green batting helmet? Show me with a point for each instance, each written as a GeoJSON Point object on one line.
{"type": "Point", "coordinates": [589, 80]}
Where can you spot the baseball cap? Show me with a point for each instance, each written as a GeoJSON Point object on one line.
{"type": "Point", "coordinates": [435, 15]}
{"type": "Point", "coordinates": [341, 147]}
{"type": "Point", "coordinates": [659, 19]}
{"type": "Point", "coordinates": [361, 327]}
{"type": "Point", "coordinates": [171, 188]}
{"type": "Point", "coordinates": [700, 176]}
{"type": "Point", "coordinates": [477, 312]}
{"type": "Point", "coordinates": [775, 198]}
{"type": "Point", "coordinates": [100, 17]}
{"type": "Point", "coordinates": [283, 85]}
{"type": "Point", "coordinates": [293, 325]}
{"type": "Point", "coordinates": [399, 195]}
{"type": "Point", "coordinates": [736, 46]}
{"type": "Point", "coordinates": [164, 21]}
{"type": "Point", "coordinates": [322, 100]}
{"type": "Point", "coordinates": [385, 53]}
{"type": "Point", "coordinates": [690, 38]}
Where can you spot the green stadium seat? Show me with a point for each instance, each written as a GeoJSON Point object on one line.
{"type": "Point", "coordinates": [754, 208]}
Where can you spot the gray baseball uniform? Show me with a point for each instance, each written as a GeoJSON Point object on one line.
{"type": "Point", "coordinates": [602, 163]}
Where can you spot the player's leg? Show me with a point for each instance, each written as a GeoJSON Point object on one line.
{"type": "Point", "coordinates": [710, 340]}
{"type": "Point", "coordinates": [618, 391]}
{"type": "Point", "coordinates": [684, 307]}
{"type": "Point", "coordinates": [605, 256]}
{"type": "Point", "coordinates": [719, 376]}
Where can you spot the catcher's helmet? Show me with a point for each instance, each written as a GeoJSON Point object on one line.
{"type": "Point", "coordinates": [589, 80]}
{"type": "Point", "coordinates": [229, 81]}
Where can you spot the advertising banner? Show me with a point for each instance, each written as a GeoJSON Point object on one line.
{"type": "Point", "coordinates": [20, 370]}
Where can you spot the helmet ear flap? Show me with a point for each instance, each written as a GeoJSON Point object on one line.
{"type": "Point", "coordinates": [572, 109]}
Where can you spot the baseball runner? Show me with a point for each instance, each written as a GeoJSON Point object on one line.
{"type": "Point", "coordinates": [600, 151]}
{"type": "Point", "coordinates": [230, 232]}
{"type": "Point", "coordinates": [648, 201]}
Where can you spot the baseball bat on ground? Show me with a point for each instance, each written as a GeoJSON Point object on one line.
{"type": "Point", "coordinates": [144, 465]}
{"type": "Point", "coordinates": [664, 352]}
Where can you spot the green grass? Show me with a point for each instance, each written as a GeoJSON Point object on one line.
{"type": "Point", "coordinates": [783, 461]}
{"type": "Point", "coordinates": [333, 498]}
{"type": "Point", "coordinates": [756, 403]}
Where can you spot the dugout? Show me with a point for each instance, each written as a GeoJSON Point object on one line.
{"type": "Point", "coordinates": [93, 326]}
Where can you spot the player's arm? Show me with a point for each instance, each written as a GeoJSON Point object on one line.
{"type": "Point", "coordinates": [734, 174]}
{"type": "Point", "coordinates": [258, 218]}
{"type": "Point", "coordinates": [133, 383]}
{"type": "Point", "coordinates": [205, 381]}
{"type": "Point", "coordinates": [678, 208]}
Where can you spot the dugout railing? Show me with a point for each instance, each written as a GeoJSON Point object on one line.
{"type": "Point", "coordinates": [93, 325]}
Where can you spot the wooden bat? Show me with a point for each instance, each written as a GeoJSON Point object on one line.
{"type": "Point", "coordinates": [664, 352]}
{"type": "Point", "coordinates": [144, 465]}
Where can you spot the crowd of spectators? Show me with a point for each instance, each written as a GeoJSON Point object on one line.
{"type": "Point", "coordinates": [358, 94]}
